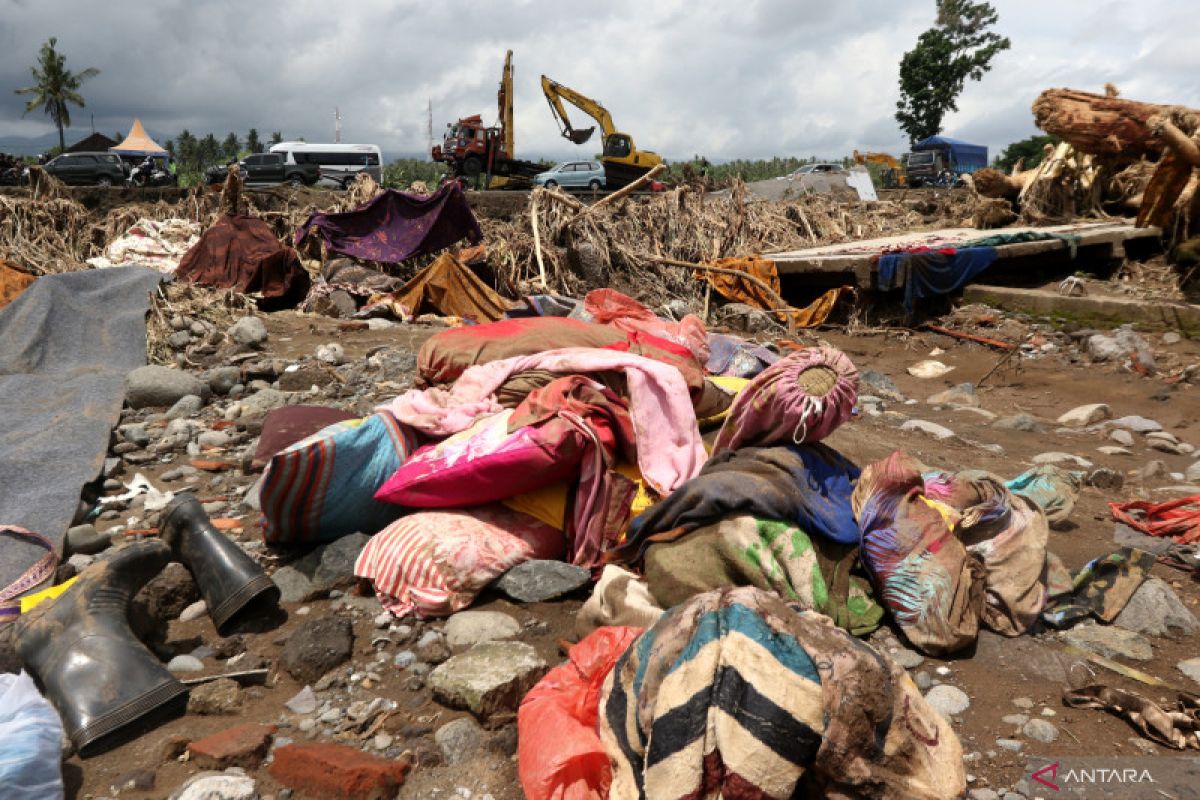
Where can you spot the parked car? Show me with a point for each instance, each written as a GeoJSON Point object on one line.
{"type": "Point", "coordinates": [272, 168]}
{"type": "Point", "coordinates": [573, 175]}
{"type": "Point", "coordinates": [816, 169]}
{"type": "Point", "coordinates": [88, 169]}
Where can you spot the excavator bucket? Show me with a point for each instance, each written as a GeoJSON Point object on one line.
{"type": "Point", "coordinates": [579, 136]}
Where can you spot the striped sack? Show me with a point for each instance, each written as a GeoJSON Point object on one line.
{"type": "Point", "coordinates": [323, 487]}
{"type": "Point", "coordinates": [735, 694]}
{"type": "Point", "coordinates": [433, 563]}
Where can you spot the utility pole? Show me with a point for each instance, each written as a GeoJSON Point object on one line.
{"type": "Point", "coordinates": [337, 125]}
{"type": "Point", "coordinates": [429, 128]}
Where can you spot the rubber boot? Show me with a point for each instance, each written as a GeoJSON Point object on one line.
{"type": "Point", "coordinates": [90, 665]}
{"type": "Point", "coordinates": [232, 584]}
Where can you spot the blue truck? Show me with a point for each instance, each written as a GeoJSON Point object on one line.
{"type": "Point", "coordinates": [940, 160]}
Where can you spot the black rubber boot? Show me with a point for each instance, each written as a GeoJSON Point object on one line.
{"type": "Point", "coordinates": [90, 665]}
{"type": "Point", "coordinates": [232, 584]}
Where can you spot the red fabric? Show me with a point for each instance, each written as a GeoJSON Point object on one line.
{"type": "Point", "coordinates": [610, 307]}
{"type": "Point", "coordinates": [560, 756]}
{"type": "Point", "coordinates": [286, 426]}
{"type": "Point", "coordinates": [242, 253]}
{"type": "Point", "coordinates": [1177, 519]}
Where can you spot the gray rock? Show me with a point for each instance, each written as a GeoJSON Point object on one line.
{"type": "Point", "coordinates": [217, 786]}
{"type": "Point", "coordinates": [879, 384]}
{"type": "Point", "coordinates": [1015, 719]}
{"type": "Point", "coordinates": [194, 611]}
{"type": "Point", "coordinates": [1104, 348]}
{"type": "Point", "coordinates": [537, 581]}
{"type": "Point", "coordinates": [185, 663]}
{"type": "Point", "coordinates": [1155, 610]}
{"type": "Point", "coordinates": [185, 406]}
{"type": "Point", "coordinates": [294, 585]}
{"type": "Point", "coordinates": [160, 387]}
{"type": "Point", "coordinates": [1193, 472]}
{"type": "Point", "coordinates": [460, 740]}
{"type": "Point", "coordinates": [216, 698]}
{"type": "Point", "coordinates": [1082, 416]}
{"type": "Point", "coordinates": [1109, 641]}
{"type": "Point", "coordinates": [303, 702]}
{"type": "Point", "coordinates": [1010, 744]}
{"type": "Point", "coordinates": [909, 659]}
{"type": "Point", "coordinates": [468, 628]}
{"type": "Point", "coordinates": [1153, 469]}
{"type": "Point", "coordinates": [1061, 458]}
{"type": "Point", "coordinates": [983, 793]}
{"type": "Point", "coordinates": [1122, 437]}
{"type": "Point", "coordinates": [432, 648]}
{"type": "Point", "coordinates": [249, 331]}
{"type": "Point", "coordinates": [404, 659]}
{"type": "Point", "coordinates": [1135, 348]}
{"type": "Point", "coordinates": [87, 540]}
{"type": "Point", "coordinates": [222, 379]}
{"type": "Point", "coordinates": [1191, 668]}
{"type": "Point", "coordinates": [1019, 422]}
{"type": "Point", "coordinates": [179, 340]}
{"type": "Point", "coordinates": [490, 679]}
{"type": "Point", "coordinates": [80, 562]}
{"type": "Point", "coordinates": [923, 680]}
{"type": "Point", "coordinates": [1113, 450]}
{"type": "Point", "coordinates": [333, 354]}
{"type": "Point", "coordinates": [218, 439]}
{"type": "Point", "coordinates": [326, 568]}
{"type": "Point", "coordinates": [961, 395]}
{"type": "Point", "coordinates": [938, 432]}
{"type": "Point", "coordinates": [318, 646]}
{"type": "Point", "coordinates": [1164, 446]}
{"type": "Point", "coordinates": [1136, 424]}
{"type": "Point", "coordinates": [135, 434]}
{"type": "Point", "coordinates": [1107, 479]}
{"type": "Point", "coordinates": [1022, 702]}
{"type": "Point", "coordinates": [948, 700]}
{"type": "Point", "coordinates": [263, 402]}
{"type": "Point", "coordinates": [1041, 730]}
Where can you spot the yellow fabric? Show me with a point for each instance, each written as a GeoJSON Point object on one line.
{"type": "Point", "coordinates": [733, 386]}
{"type": "Point", "coordinates": [30, 601]}
{"type": "Point", "coordinates": [740, 290]}
{"type": "Point", "coordinates": [549, 505]}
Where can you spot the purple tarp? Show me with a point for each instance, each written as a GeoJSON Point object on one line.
{"type": "Point", "coordinates": [395, 226]}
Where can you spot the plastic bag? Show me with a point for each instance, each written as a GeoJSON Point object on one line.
{"type": "Point", "coordinates": [560, 756]}
{"type": "Point", "coordinates": [30, 742]}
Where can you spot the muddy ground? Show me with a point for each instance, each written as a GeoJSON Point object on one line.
{"type": "Point", "coordinates": [996, 673]}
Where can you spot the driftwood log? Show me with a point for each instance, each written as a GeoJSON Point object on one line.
{"type": "Point", "coordinates": [1100, 124]}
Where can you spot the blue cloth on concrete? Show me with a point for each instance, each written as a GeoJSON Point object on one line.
{"type": "Point", "coordinates": [932, 273]}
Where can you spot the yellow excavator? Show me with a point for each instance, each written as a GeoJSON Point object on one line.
{"type": "Point", "coordinates": [892, 173]}
{"type": "Point", "coordinates": [623, 162]}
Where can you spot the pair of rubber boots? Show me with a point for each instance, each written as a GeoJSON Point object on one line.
{"type": "Point", "coordinates": [80, 647]}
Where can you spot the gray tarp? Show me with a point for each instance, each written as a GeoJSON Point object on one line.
{"type": "Point", "coordinates": [65, 346]}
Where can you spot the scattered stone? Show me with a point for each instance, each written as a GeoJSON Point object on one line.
{"type": "Point", "coordinates": [1082, 416]}
{"type": "Point", "coordinates": [248, 331]}
{"type": "Point", "coordinates": [879, 384]}
{"type": "Point", "coordinates": [983, 793]}
{"type": "Point", "coordinates": [1193, 473]}
{"type": "Point", "coordinates": [929, 369]}
{"type": "Point", "coordinates": [948, 700]}
{"type": "Point", "coordinates": [185, 407]}
{"type": "Point", "coordinates": [244, 746]}
{"type": "Point", "coordinates": [1015, 719]}
{"type": "Point", "coordinates": [303, 702]}
{"type": "Point", "coordinates": [432, 647]}
{"type": "Point", "coordinates": [460, 740]}
{"type": "Point", "coordinates": [1171, 337]}
{"type": "Point", "coordinates": [1104, 348]}
{"type": "Point", "coordinates": [1154, 469]}
{"type": "Point", "coordinates": [1107, 479]}
{"type": "Point", "coordinates": [1022, 702]}
{"type": "Point", "coordinates": [262, 402]}
{"type": "Point", "coordinates": [1041, 730]}
{"type": "Point", "coordinates": [1010, 744]}
{"type": "Point", "coordinates": [1061, 458]}
{"type": "Point", "coordinates": [139, 780]}
{"type": "Point", "coordinates": [961, 395]}
{"type": "Point", "coordinates": [87, 540]}
{"type": "Point", "coordinates": [325, 569]}
{"type": "Point", "coordinates": [160, 387]}
{"type": "Point", "coordinates": [1136, 348]}
{"type": "Point", "coordinates": [538, 581]}
{"type": "Point", "coordinates": [1113, 450]}
{"type": "Point", "coordinates": [909, 659]}
{"type": "Point", "coordinates": [185, 663]}
{"type": "Point", "coordinates": [305, 377]}
{"type": "Point", "coordinates": [217, 786]}
{"type": "Point", "coordinates": [405, 659]}
{"type": "Point", "coordinates": [923, 680]}
{"type": "Point", "coordinates": [195, 611]}
{"type": "Point", "coordinates": [333, 354]}
{"type": "Point", "coordinates": [1109, 641]}
{"type": "Point", "coordinates": [489, 679]}
{"type": "Point", "coordinates": [318, 646]}
{"type": "Point", "coordinates": [938, 432]}
{"type": "Point", "coordinates": [1155, 610]}
{"type": "Point", "coordinates": [221, 380]}
{"type": "Point", "coordinates": [1191, 668]}
{"type": "Point", "coordinates": [294, 585]}
{"type": "Point", "coordinates": [217, 439]}
{"type": "Point", "coordinates": [1121, 437]}
{"type": "Point", "coordinates": [467, 628]}
{"type": "Point", "coordinates": [1019, 422]}
{"type": "Point", "coordinates": [337, 771]}
{"type": "Point", "coordinates": [1136, 424]}
{"type": "Point", "coordinates": [222, 696]}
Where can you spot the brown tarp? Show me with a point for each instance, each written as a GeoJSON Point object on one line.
{"type": "Point", "coordinates": [448, 288]}
{"type": "Point", "coordinates": [13, 281]}
{"type": "Point", "coordinates": [242, 253]}
{"type": "Point", "coordinates": [740, 290]}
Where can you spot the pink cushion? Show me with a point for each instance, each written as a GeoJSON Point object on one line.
{"type": "Point", "coordinates": [486, 463]}
{"type": "Point", "coordinates": [433, 563]}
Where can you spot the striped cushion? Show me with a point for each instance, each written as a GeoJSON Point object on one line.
{"type": "Point", "coordinates": [323, 487]}
{"type": "Point", "coordinates": [433, 563]}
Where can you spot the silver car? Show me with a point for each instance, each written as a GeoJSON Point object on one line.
{"type": "Point", "coordinates": [573, 175]}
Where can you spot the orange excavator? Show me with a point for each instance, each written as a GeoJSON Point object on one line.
{"type": "Point", "coordinates": [892, 172]}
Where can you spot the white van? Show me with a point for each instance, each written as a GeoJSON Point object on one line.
{"type": "Point", "coordinates": [339, 163]}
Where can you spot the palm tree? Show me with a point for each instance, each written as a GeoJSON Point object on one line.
{"type": "Point", "coordinates": [55, 88]}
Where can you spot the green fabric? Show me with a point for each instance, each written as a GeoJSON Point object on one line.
{"type": "Point", "coordinates": [998, 239]}
{"type": "Point", "coordinates": [766, 554]}
{"type": "Point", "coordinates": [1101, 589]}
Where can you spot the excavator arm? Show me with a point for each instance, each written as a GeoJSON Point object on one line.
{"type": "Point", "coordinates": [556, 93]}
{"type": "Point", "coordinates": [504, 99]}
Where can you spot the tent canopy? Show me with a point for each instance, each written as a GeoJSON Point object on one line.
{"type": "Point", "coordinates": [137, 143]}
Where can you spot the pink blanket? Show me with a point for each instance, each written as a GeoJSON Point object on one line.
{"type": "Point", "coordinates": [668, 440]}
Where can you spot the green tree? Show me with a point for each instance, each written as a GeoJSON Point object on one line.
{"type": "Point", "coordinates": [252, 141]}
{"type": "Point", "coordinates": [55, 87]}
{"type": "Point", "coordinates": [276, 137]}
{"type": "Point", "coordinates": [231, 146]}
{"type": "Point", "coordinates": [1032, 150]}
{"type": "Point", "coordinates": [932, 75]}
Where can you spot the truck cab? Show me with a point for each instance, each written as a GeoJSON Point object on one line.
{"type": "Point", "coordinates": [942, 161]}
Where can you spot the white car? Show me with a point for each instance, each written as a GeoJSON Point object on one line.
{"type": "Point", "coordinates": [815, 169]}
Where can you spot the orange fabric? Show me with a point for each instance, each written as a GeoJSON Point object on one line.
{"type": "Point", "coordinates": [447, 288]}
{"type": "Point", "coordinates": [13, 281]}
{"type": "Point", "coordinates": [738, 289]}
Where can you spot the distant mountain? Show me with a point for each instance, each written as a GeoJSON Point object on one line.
{"type": "Point", "coordinates": [24, 146]}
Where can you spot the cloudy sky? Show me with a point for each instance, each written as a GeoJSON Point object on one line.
{"type": "Point", "coordinates": [751, 78]}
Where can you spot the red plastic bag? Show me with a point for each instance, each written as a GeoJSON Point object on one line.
{"type": "Point", "coordinates": [610, 307]}
{"type": "Point", "coordinates": [560, 756]}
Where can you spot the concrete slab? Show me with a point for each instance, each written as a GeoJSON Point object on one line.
{"type": "Point", "coordinates": [1091, 311]}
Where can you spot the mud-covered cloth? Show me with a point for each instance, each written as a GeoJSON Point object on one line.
{"type": "Point", "coordinates": [242, 253]}
{"type": "Point", "coordinates": [736, 694]}
{"type": "Point", "coordinates": [1101, 589]}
